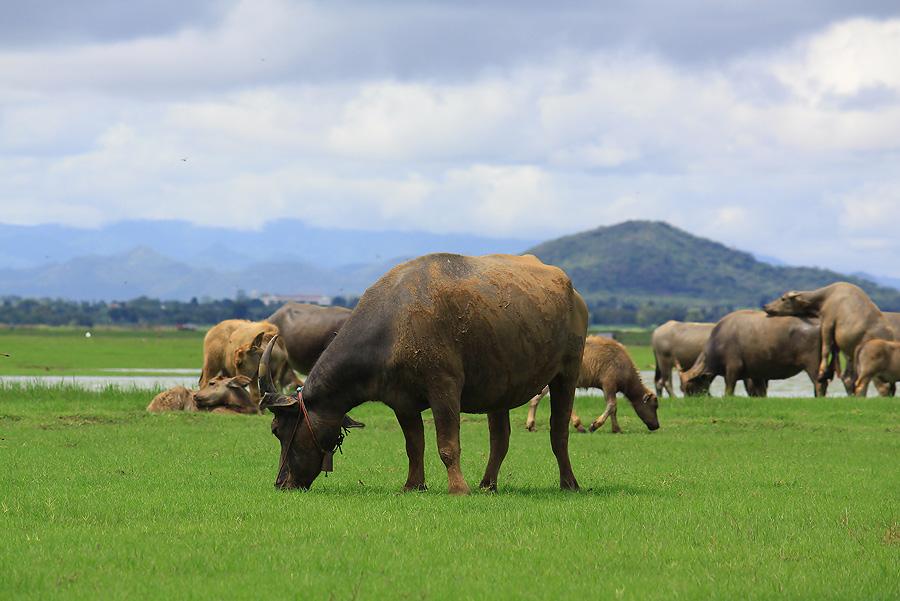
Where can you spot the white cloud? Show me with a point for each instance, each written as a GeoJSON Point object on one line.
{"type": "Point", "coordinates": [844, 60]}
{"type": "Point", "coordinates": [749, 149]}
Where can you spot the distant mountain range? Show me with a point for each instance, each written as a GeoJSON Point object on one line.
{"type": "Point", "coordinates": [226, 249]}
{"type": "Point", "coordinates": [638, 261]}
{"type": "Point", "coordinates": [174, 260]}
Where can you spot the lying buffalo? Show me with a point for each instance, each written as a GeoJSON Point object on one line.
{"type": "Point", "coordinates": [676, 343]}
{"type": "Point", "coordinates": [307, 330]}
{"type": "Point", "coordinates": [848, 316]}
{"type": "Point", "coordinates": [752, 345]}
{"type": "Point", "coordinates": [448, 333]}
{"type": "Point", "coordinates": [608, 366]}
{"type": "Point", "coordinates": [221, 394]}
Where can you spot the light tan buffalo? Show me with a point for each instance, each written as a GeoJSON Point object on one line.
{"type": "Point", "coordinates": [676, 343]}
{"type": "Point", "coordinates": [221, 395]}
{"type": "Point", "coordinates": [750, 345]}
{"type": "Point", "coordinates": [848, 316]}
{"type": "Point", "coordinates": [233, 347]}
{"type": "Point", "coordinates": [877, 360]}
{"type": "Point", "coordinates": [608, 366]}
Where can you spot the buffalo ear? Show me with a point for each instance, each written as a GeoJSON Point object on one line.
{"type": "Point", "coordinates": [257, 342]}
{"type": "Point", "coordinates": [275, 402]}
{"type": "Point", "coordinates": [349, 422]}
{"type": "Point", "coordinates": [239, 381]}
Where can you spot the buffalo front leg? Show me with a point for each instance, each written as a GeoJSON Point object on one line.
{"type": "Point", "coordinates": [414, 433]}
{"type": "Point", "coordinates": [498, 423]}
{"type": "Point", "coordinates": [610, 413]}
{"type": "Point", "coordinates": [562, 398]}
{"type": "Point", "coordinates": [446, 425]}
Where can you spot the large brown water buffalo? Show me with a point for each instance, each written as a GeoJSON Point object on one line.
{"type": "Point", "coordinates": [306, 330]}
{"type": "Point", "coordinates": [221, 395]}
{"type": "Point", "coordinates": [676, 343]}
{"type": "Point", "coordinates": [449, 333]}
{"type": "Point", "coordinates": [848, 316]}
{"type": "Point", "coordinates": [607, 365]}
{"type": "Point", "coordinates": [752, 345]}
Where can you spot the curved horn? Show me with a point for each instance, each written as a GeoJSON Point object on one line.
{"type": "Point", "coordinates": [265, 377]}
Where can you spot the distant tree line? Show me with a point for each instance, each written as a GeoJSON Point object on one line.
{"type": "Point", "coordinates": [147, 312]}
{"type": "Point", "coordinates": [612, 311]}
{"type": "Point", "coordinates": [139, 312]}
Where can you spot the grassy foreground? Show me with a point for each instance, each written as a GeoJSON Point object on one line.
{"type": "Point", "coordinates": [731, 499]}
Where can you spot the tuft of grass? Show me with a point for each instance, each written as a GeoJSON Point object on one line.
{"type": "Point", "coordinates": [731, 498]}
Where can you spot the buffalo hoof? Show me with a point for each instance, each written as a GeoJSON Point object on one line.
{"type": "Point", "coordinates": [570, 485]}
{"type": "Point", "coordinates": [487, 486]}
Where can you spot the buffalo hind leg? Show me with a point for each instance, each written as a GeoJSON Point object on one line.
{"type": "Point", "coordinates": [562, 398]}
{"type": "Point", "coordinates": [532, 408]}
{"type": "Point", "coordinates": [414, 433]}
{"type": "Point", "coordinates": [446, 425]}
{"type": "Point", "coordinates": [532, 412]}
{"type": "Point", "coordinates": [498, 423]}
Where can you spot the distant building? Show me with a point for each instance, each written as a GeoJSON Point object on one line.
{"type": "Point", "coordinates": [311, 299]}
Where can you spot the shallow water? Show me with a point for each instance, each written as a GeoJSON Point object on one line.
{"type": "Point", "coordinates": [797, 386]}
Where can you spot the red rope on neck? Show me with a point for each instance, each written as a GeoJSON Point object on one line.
{"type": "Point", "coordinates": [287, 450]}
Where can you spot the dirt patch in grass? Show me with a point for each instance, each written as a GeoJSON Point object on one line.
{"type": "Point", "coordinates": [69, 421]}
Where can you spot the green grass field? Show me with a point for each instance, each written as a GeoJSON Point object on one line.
{"type": "Point", "coordinates": [732, 498]}
{"type": "Point", "coordinates": [39, 351]}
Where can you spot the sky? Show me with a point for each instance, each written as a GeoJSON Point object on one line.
{"type": "Point", "coordinates": [770, 126]}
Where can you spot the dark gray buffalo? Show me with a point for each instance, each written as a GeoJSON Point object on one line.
{"type": "Point", "coordinates": [676, 343]}
{"type": "Point", "coordinates": [449, 333]}
{"type": "Point", "coordinates": [752, 345]}
{"type": "Point", "coordinates": [306, 330]}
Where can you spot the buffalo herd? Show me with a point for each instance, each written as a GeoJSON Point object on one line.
{"type": "Point", "coordinates": [457, 334]}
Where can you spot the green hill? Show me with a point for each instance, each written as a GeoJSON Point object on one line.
{"type": "Point", "coordinates": [653, 263]}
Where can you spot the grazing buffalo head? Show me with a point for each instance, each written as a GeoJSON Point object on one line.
{"type": "Point", "coordinates": [790, 303]}
{"type": "Point", "coordinates": [697, 380]}
{"type": "Point", "coordinates": [309, 436]}
{"type": "Point", "coordinates": [226, 393]}
{"type": "Point", "coordinates": [646, 410]}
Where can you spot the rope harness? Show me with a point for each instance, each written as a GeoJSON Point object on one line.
{"type": "Point", "coordinates": [327, 456]}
